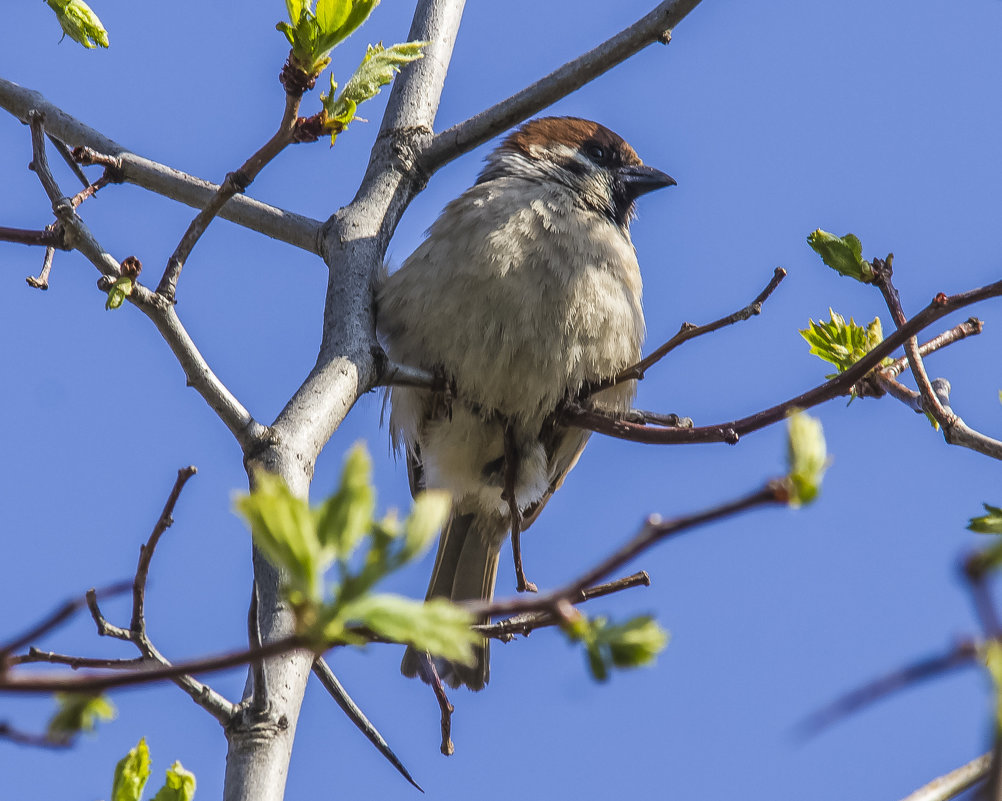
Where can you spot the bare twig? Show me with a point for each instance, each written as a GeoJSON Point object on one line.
{"type": "Point", "coordinates": [64, 152]}
{"type": "Point", "coordinates": [248, 432]}
{"type": "Point", "coordinates": [962, 655]}
{"type": "Point", "coordinates": [42, 281]}
{"type": "Point", "coordinates": [50, 237]}
{"type": "Point", "coordinates": [653, 532]}
{"type": "Point", "coordinates": [204, 696]}
{"type": "Point", "coordinates": [166, 519]}
{"type": "Point", "coordinates": [235, 182]}
{"type": "Point", "coordinates": [429, 675]}
{"type": "Point", "coordinates": [60, 615]}
{"type": "Point", "coordinates": [941, 305]}
{"type": "Point", "coordinates": [36, 655]}
{"type": "Point", "coordinates": [955, 430]}
{"type": "Point", "coordinates": [952, 784]}
{"type": "Point", "coordinates": [11, 734]}
{"type": "Point", "coordinates": [337, 691]}
{"type": "Point", "coordinates": [506, 629]}
{"type": "Point", "coordinates": [689, 331]}
{"type": "Point", "coordinates": [561, 82]}
{"type": "Point", "coordinates": [277, 223]}
{"type": "Point", "coordinates": [972, 326]}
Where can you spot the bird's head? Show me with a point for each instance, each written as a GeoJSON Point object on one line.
{"type": "Point", "coordinates": [587, 158]}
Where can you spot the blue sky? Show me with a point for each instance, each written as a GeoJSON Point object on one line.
{"type": "Point", "coordinates": [775, 118]}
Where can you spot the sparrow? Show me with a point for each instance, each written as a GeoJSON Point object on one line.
{"type": "Point", "coordinates": [526, 289]}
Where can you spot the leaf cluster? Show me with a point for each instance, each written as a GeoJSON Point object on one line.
{"type": "Point", "coordinates": [377, 69]}
{"type": "Point", "coordinates": [616, 645]}
{"type": "Point", "coordinates": [133, 771]}
{"type": "Point", "coordinates": [79, 22]}
{"type": "Point", "coordinates": [314, 33]}
{"type": "Point", "coordinates": [807, 458]}
{"type": "Point", "coordinates": [841, 343]}
{"type": "Point", "coordinates": [78, 712]}
{"type": "Point", "coordinates": [343, 536]}
{"type": "Point", "coordinates": [844, 254]}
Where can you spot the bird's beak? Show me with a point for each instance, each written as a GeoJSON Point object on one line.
{"type": "Point", "coordinates": [639, 180]}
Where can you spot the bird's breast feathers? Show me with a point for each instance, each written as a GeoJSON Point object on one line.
{"type": "Point", "coordinates": [520, 294]}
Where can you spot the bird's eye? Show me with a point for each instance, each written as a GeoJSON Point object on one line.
{"type": "Point", "coordinates": [596, 153]}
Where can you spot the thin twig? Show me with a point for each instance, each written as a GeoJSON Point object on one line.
{"type": "Point", "coordinates": [166, 519]}
{"type": "Point", "coordinates": [955, 430]}
{"type": "Point", "coordinates": [689, 331]}
{"type": "Point", "coordinates": [36, 655]}
{"type": "Point", "coordinates": [11, 734]}
{"type": "Point", "coordinates": [962, 655]}
{"type": "Point", "coordinates": [64, 151]}
{"type": "Point", "coordinates": [234, 183]}
{"type": "Point", "coordinates": [42, 281]}
{"type": "Point", "coordinates": [429, 675]}
{"type": "Point", "coordinates": [280, 224]}
{"type": "Point", "coordinates": [248, 432]}
{"type": "Point", "coordinates": [653, 532]}
{"type": "Point", "coordinates": [561, 82]}
{"type": "Point", "coordinates": [972, 326]}
{"type": "Point", "coordinates": [60, 615]}
{"type": "Point", "coordinates": [337, 691]}
{"type": "Point", "coordinates": [50, 236]}
{"type": "Point", "coordinates": [952, 784]}
{"type": "Point", "coordinates": [506, 629]}
{"type": "Point", "coordinates": [941, 305]}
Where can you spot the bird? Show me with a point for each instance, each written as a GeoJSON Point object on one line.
{"type": "Point", "coordinates": [525, 290]}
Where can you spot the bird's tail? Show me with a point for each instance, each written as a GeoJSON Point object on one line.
{"type": "Point", "coordinates": [466, 569]}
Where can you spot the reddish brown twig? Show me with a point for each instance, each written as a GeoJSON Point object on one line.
{"type": "Point", "coordinates": [235, 182]}
{"type": "Point", "coordinates": [689, 331]}
{"type": "Point", "coordinates": [941, 305]}
{"type": "Point", "coordinates": [61, 615]}
{"type": "Point", "coordinates": [14, 735]}
{"type": "Point", "coordinates": [964, 654]}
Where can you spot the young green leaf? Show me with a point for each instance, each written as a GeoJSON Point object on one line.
{"type": "Point", "coordinates": [844, 254]}
{"type": "Point", "coordinates": [437, 626]}
{"type": "Point", "coordinates": [346, 517]}
{"type": "Point", "coordinates": [841, 343]}
{"type": "Point", "coordinates": [807, 456]}
{"type": "Point", "coordinates": [78, 712]}
{"type": "Point", "coordinates": [131, 774]}
{"type": "Point", "coordinates": [284, 528]}
{"type": "Point", "coordinates": [179, 786]}
{"type": "Point", "coordinates": [376, 70]}
{"type": "Point", "coordinates": [79, 22]}
{"type": "Point", "coordinates": [992, 655]}
{"type": "Point", "coordinates": [118, 292]}
{"type": "Point", "coordinates": [428, 515]}
{"type": "Point", "coordinates": [635, 643]}
{"type": "Point", "coordinates": [990, 523]}
{"type": "Point", "coordinates": [332, 14]}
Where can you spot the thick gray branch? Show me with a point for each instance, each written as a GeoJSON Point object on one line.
{"type": "Point", "coordinates": [277, 223]}
{"type": "Point", "coordinates": [467, 135]}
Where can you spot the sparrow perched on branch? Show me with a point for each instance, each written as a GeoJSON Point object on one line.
{"type": "Point", "coordinates": [526, 290]}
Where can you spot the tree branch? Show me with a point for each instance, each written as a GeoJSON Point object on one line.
{"type": "Point", "coordinates": [955, 430]}
{"type": "Point", "coordinates": [235, 182]}
{"type": "Point", "coordinates": [340, 695]}
{"type": "Point", "coordinates": [952, 784]}
{"type": "Point", "coordinates": [247, 431]}
{"type": "Point", "coordinates": [277, 223]}
{"type": "Point", "coordinates": [941, 305]}
{"type": "Point", "coordinates": [465, 136]}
